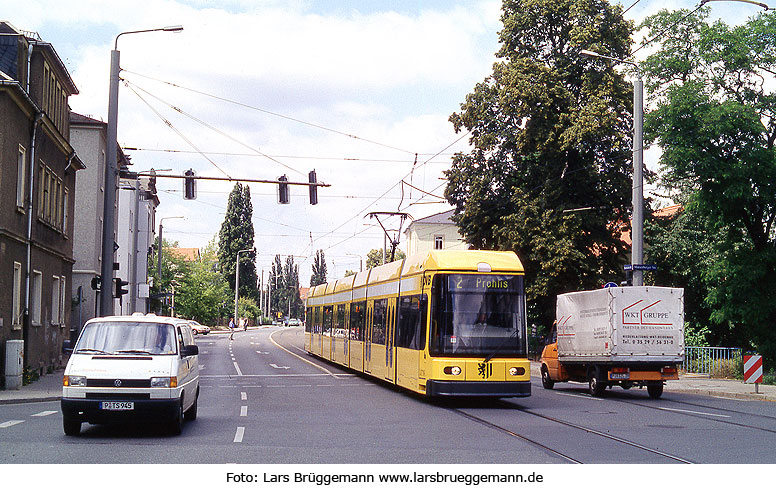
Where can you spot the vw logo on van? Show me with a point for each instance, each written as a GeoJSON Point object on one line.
{"type": "Point", "coordinates": [117, 382]}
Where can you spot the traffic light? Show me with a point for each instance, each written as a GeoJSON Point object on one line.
{"type": "Point", "coordinates": [118, 287]}
{"type": "Point", "coordinates": [283, 190]}
{"type": "Point", "coordinates": [96, 282]}
{"type": "Point", "coordinates": [313, 178]}
{"type": "Point", "coordinates": [190, 185]}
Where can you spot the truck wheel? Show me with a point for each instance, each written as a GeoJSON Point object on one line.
{"type": "Point", "coordinates": [547, 382]}
{"type": "Point", "coordinates": [72, 427]}
{"type": "Point", "coordinates": [596, 385]}
{"type": "Point", "coordinates": [655, 390]}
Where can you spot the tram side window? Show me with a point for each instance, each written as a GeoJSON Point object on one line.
{"type": "Point", "coordinates": [328, 311]}
{"type": "Point", "coordinates": [308, 323]}
{"type": "Point", "coordinates": [340, 321]}
{"type": "Point", "coordinates": [412, 322]}
{"type": "Point", "coordinates": [378, 321]}
{"type": "Point", "coordinates": [357, 320]}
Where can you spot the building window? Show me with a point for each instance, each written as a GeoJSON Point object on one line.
{"type": "Point", "coordinates": [62, 295]}
{"type": "Point", "coordinates": [21, 176]}
{"type": "Point", "coordinates": [16, 314]}
{"type": "Point", "coordinates": [55, 301]}
{"type": "Point", "coordinates": [65, 202]}
{"type": "Point", "coordinates": [439, 241]}
{"type": "Point", "coordinates": [37, 295]}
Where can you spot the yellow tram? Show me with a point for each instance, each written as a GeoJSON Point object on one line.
{"type": "Point", "coordinates": [440, 323]}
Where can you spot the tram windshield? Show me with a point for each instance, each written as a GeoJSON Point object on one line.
{"type": "Point", "coordinates": [478, 315]}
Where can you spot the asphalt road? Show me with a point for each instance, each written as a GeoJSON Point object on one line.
{"type": "Point", "coordinates": [263, 400]}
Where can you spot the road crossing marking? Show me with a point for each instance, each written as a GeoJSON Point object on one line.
{"type": "Point", "coordinates": [238, 436]}
{"type": "Point", "coordinates": [45, 414]}
{"type": "Point", "coordinates": [10, 423]}
{"type": "Point", "coordinates": [692, 412]}
{"type": "Point", "coordinates": [243, 396]}
{"type": "Point", "coordinates": [243, 411]}
{"type": "Point", "coordinates": [237, 367]}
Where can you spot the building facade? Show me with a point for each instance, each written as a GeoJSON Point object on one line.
{"type": "Point", "coordinates": [433, 232]}
{"type": "Point", "coordinates": [38, 169]}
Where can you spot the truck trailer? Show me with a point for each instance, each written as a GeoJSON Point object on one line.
{"type": "Point", "coordinates": [626, 336]}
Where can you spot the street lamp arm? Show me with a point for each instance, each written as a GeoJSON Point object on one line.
{"type": "Point", "coordinates": [761, 5]}
{"type": "Point", "coordinates": [590, 53]}
{"type": "Point", "coordinates": [173, 29]}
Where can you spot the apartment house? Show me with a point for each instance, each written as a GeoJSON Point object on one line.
{"type": "Point", "coordinates": [433, 232]}
{"type": "Point", "coordinates": [38, 169]}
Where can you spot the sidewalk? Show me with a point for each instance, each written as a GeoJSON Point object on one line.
{"type": "Point", "coordinates": [49, 388]}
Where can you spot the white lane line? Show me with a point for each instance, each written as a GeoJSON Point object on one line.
{"type": "Point", "coordinates": [237, 367]}
{"type": "Point", "coordinates": [10, 423]}
{"type": "Point", "coordinates": [238, 436]}
{"type": "Point", "coordinates": [45, 414]}
{"type": "Point", "coordinates": [692, 412]}
{"type": "Point", "coordinates": [243, 396]}
{"type": "Point", "coordinates": [579, 396]}
{"type": "Point", "coordinates": [303, 359]}
{"type": "Point", "coordinates": [243, 411]}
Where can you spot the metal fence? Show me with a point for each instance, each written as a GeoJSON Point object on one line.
{"type": "Point", "coordinates": [713, 361]}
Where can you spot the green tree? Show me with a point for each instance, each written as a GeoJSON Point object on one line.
{"type": "Point", "coordinates": [319, 269]}
{"type": "Point", "coordinates": [203, 294]}
{"type": "Point", "coordinates": [375, 257]}
{"type": "Point", "coordinates": [713, 119]}
{"type": "Point", "coordinates": [173, 269]}
{"type": "Point", "coordinates": [237, 234]}
{"type": "Point", "coordinates": [291, 279]}
{"type": "Point", "coordinates": [550, 131]}
{"type": "Point", "coordinates": [277, 287]}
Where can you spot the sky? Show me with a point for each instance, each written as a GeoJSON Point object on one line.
{"type": "Point", "coordinates": [358, 90]}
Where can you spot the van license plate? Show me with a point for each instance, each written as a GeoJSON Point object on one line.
{"type": "Point", "coordinates": [117, 405]}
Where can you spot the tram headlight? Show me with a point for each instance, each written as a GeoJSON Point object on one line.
{"type": "Point", "coordinates": [452, 370]}
{"type": "Point", "coordinates": [515, 371]}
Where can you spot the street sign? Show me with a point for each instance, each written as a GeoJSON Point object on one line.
{"type": "Point", "coordinates": [608, 285]}
{"type": "Point", "coordinates": [640, 267]}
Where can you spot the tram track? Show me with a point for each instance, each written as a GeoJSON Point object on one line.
{"type": "Point", "coordinates": [564, 456]}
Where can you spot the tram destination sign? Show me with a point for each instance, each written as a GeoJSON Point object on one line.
{"type": "Point", "coordinates": [481, 283]}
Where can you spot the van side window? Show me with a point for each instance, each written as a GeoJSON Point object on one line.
{"type": "Point", "coordinates": [180, 339]}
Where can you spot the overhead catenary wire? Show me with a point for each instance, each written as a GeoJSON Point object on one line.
{"type": "Point", "coordinates": [272, 113]}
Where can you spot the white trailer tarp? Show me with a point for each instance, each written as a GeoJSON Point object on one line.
{"type": "Point", "coordinates": [621, 324]}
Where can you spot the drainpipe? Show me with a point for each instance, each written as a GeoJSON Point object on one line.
{"type": "Point", "coordinates": [30, 214]}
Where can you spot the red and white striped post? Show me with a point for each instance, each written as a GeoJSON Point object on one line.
{"type": "Point", "coordinates": [753, 371]}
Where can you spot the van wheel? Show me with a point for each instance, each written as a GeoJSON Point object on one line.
{"type": "Point", "coordinates": [191, 413]}
{"type": "Point", "coordinates": [547, 381]}
{"type": "Point", "coordinates": [176, 424]}
{"type": "Point", "coordinates": [72, 427]}
{"type": "Point", "coordinates": [655, 390]}
{"type": "Point", "coordinates": [596, 385]}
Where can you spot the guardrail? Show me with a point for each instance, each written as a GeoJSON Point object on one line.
{"type": "Point", "coordinates": [713, 361]}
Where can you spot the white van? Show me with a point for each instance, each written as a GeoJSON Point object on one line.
{"type": "Point", "coordinates": [127, 368]}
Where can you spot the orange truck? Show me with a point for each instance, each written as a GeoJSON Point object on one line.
{"type": "Point", "coordinates": [626, 336]}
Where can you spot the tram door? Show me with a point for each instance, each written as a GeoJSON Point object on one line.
{"type": "Point", "coordinates": [390, 341]}
{"type": "Point", "coordinates": [368, 326]}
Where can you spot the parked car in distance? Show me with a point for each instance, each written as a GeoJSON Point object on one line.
{"type": "Point", "coordinates": [293, 322]}
{"type": "Point", "coordinates": [198, 328]}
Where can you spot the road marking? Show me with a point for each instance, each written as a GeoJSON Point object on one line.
{"type": "Point", "coordinates": [243, 396]}
{"type": "Point", "coordinates": [202, 367]}
{"type": "Point", "coordinates": [238, 436]}
{"type": "Point", "coordinates": [275, 366]}
{"type": "Point", "coordinates": [237, 367]}
{"type": "Point", "coordinates": [692, 412]}
{"type": "Point", "coordinates": [303, 359]}
{"type": "Point", "coordinates": [243, 411]}
{"type": "Point", "coordinates": [10, 423]}
{"type": "Point", "coordinates": [45, 414]}
{"type": "Point", "coordinates": [262, 352]}
{"type": "Point", "coordinates": [578, 396]}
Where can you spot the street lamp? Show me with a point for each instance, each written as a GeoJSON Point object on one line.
{"type": "Point", "coordinates": [111, 174]}
{"type": "Point", "coordinates": [159, 257]}
{"type": "Point", "coordinates": [637, 220]}
{"type": "Point", "coordinates": [237, 280]}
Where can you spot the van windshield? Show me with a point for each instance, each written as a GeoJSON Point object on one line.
{"type": "Point", "coordinates": [127, 337]}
